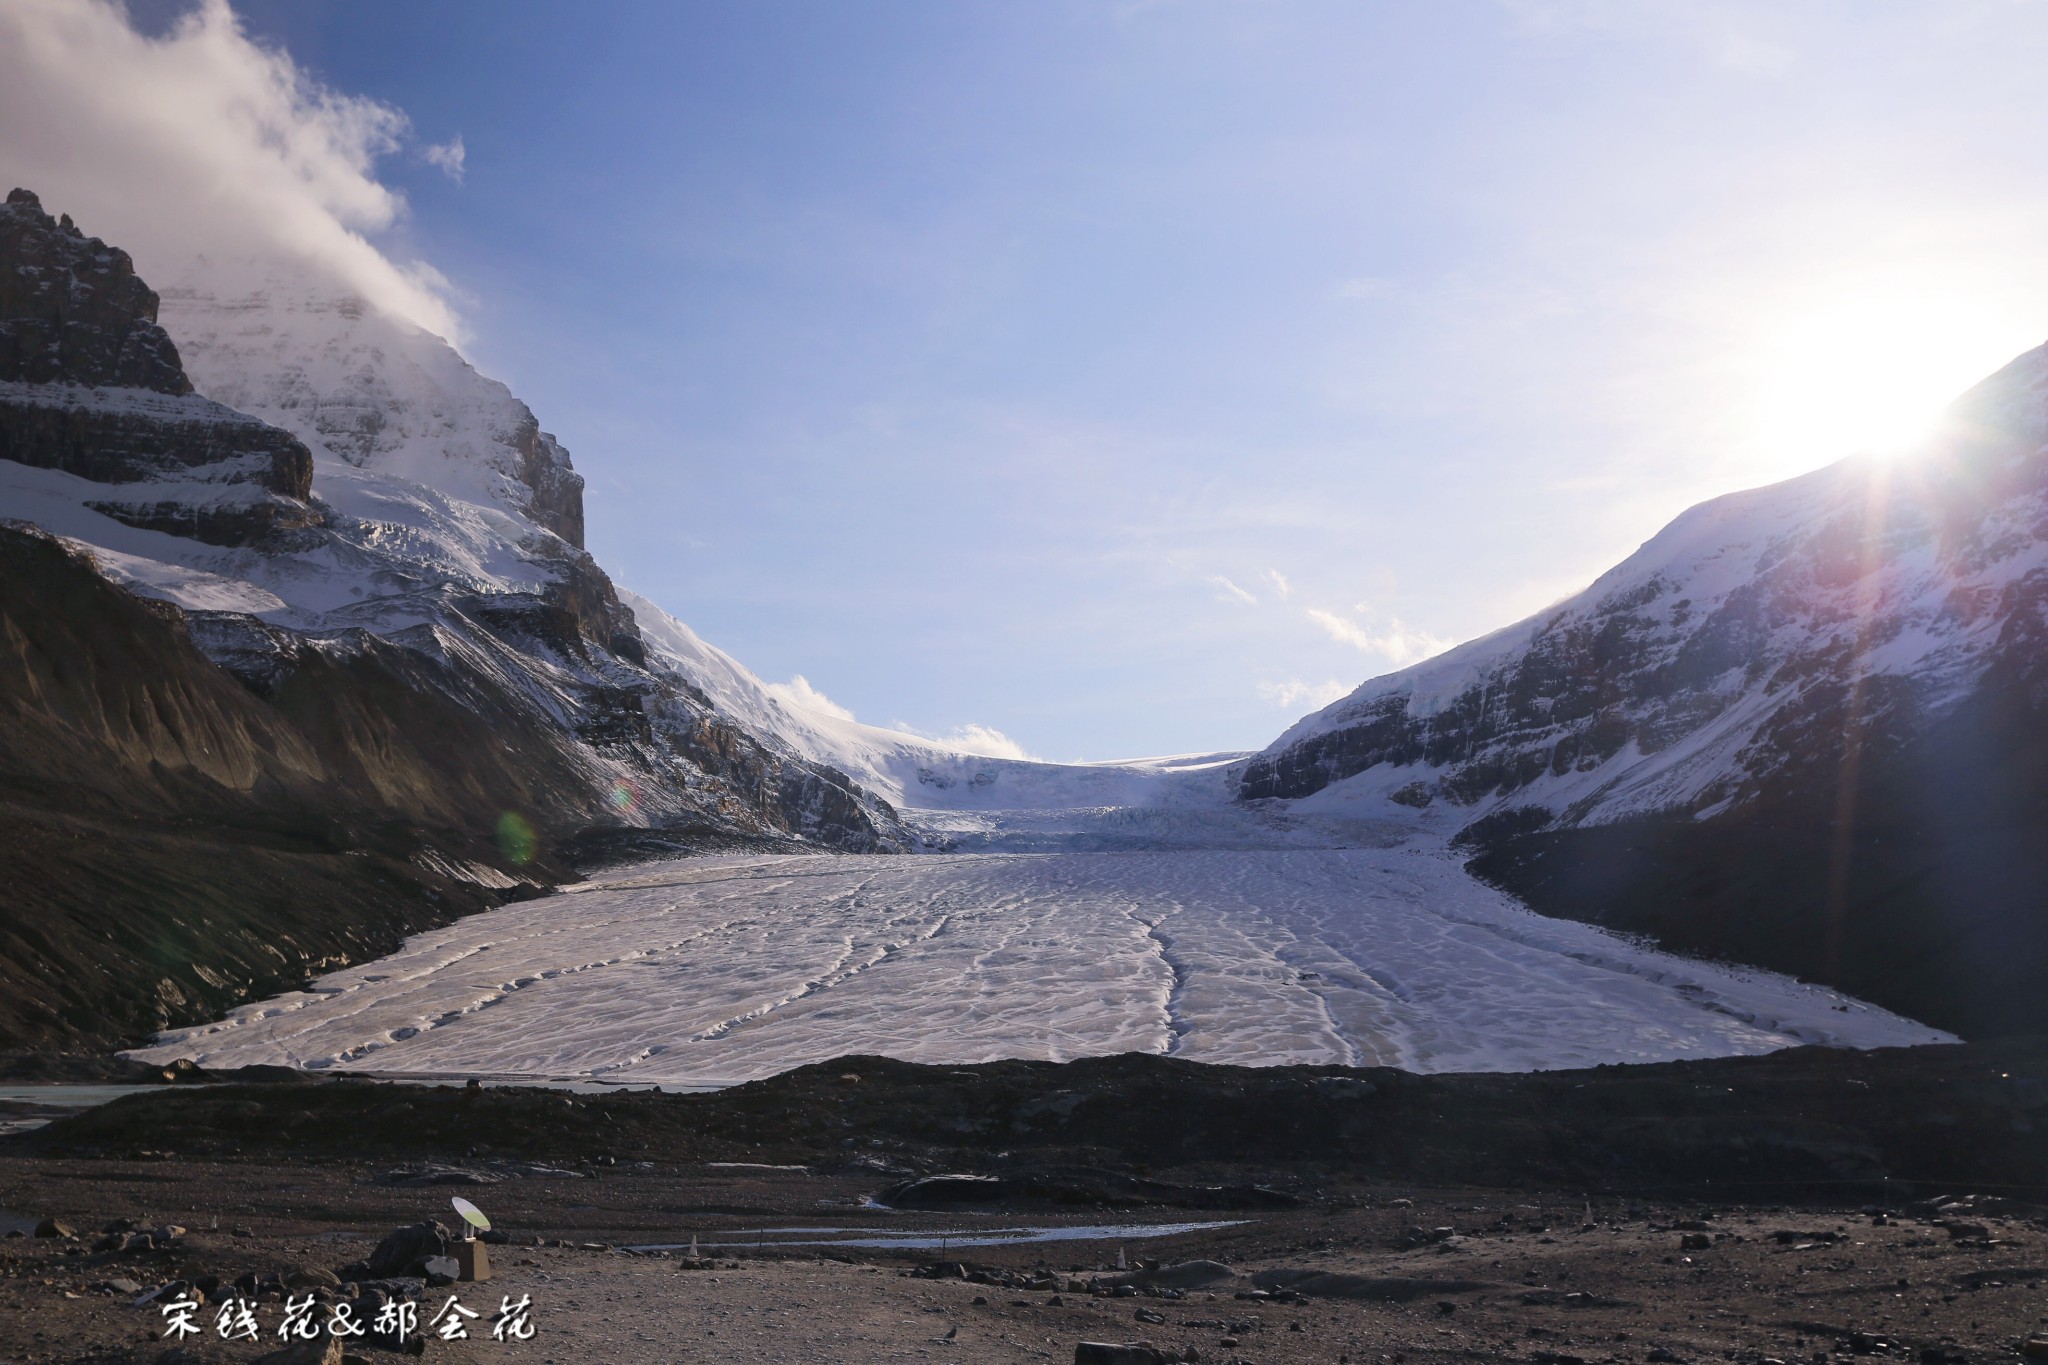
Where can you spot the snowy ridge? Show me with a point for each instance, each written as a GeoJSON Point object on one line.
{"type": "Point", "coordinates": [917, 773]}
{"type": "Point", "coordinates": [1664, 684]}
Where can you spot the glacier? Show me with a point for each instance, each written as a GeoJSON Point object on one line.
{"type": "Point", "coordinates": [1036, 909]}
{"type": "Point", "coordinates": [714, 971]}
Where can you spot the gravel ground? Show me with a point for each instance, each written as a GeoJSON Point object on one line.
{"type": "Point", "coordinates": [1558, 1279]}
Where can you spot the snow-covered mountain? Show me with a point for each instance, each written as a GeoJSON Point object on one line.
{"type": "Point", "coordinates": [1786, 695]}
{"type": "Point", "coordinates": [374, 634]}
{"type": "Point", "coordinates": [434, 514]}
{"type": "Point", "coordinates": [332, 625]}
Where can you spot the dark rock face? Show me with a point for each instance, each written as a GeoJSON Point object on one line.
{"type": "Point", "coordinates": [111, 440]}
{"type": "Point", "coordinates": [1911, 872]}
{"type": "Point", "coordinates": [557, 489]}
{"type": "Point", "coordinates": [72, 310]}
{"type": "Point", "coordinates": [89, 384]}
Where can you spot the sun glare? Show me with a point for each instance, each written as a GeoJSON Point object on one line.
{"type": "Point", "coordinates": [1869, 374]}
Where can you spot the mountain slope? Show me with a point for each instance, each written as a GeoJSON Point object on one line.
{"type": "Point", "coordinates": [929, 781]}
{"type": "Point", "coordinates": [1803, 726]}
{"type": "Point", "coordinates": [290, 683]}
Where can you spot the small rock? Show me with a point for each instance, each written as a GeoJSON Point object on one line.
{"type": "Point", "coordinates": [2035, 1348]}
{"type": "Point", "coordinates": [1696, 1241]}
{"type": "Point", "coordinates": [51, 1227]}
{"type": "Point", "coordinates": [311, 1277]}
{"type": "Point", "coordinates": [124, 1286]}
{"type": "Point", "coordinates": [1149, 1315]}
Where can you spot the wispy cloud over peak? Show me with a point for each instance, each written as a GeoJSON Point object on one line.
{"type": "Point", "coordinates": [799, 693]}
{"type": "Point", "coordinates": [1398, 643]}
{"type": "Point", "coordinates": [1295, 692]}
{"type": "Point", "coordinates": [983, 741]}
{"type": "Point", "coordinates": [203, 141]}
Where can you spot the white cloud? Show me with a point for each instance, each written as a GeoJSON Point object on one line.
{"type": "Point", "coordinates": [1295, 692]}
{"type": "Point", "coordinates": [449, 156]}
{"type": "Point", "coordinates": [983, 741]}
{"type": "Point", "coordinates": [1231, 592]}
{"type": "Point", "coordinates": [1280, 582]}
{"type": "Point", "coordinates": [199, 143]}
{"type": "Point", "coordinates": [1398, 643]}
{"type": "Point", "coordinates": [799, 693]}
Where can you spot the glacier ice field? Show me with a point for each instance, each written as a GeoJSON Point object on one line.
{"type": "Point", "coordinates": [713, 971]}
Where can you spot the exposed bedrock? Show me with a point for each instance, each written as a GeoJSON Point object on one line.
{"type": "Point", "coordinates": [91, 385]}
{"type": "Point", "coordinates": [72, 310]}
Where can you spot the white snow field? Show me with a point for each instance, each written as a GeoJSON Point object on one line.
{"type": "Point", "coordinates": [712, 971]}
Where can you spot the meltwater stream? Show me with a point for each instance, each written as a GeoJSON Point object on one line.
{"type": "Point", "coordinates": [919, 1239]}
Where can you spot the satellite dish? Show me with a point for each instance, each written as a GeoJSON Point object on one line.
{"type": "Point", "coordinates": [471, 1214]}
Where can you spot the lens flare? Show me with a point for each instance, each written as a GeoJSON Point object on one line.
{"type": "Point", "coordinates": [625, 797]}
{"type": "Point", "coordinates": [1868, 370]}
{"type": "Point", "coordinates": [517, 839]}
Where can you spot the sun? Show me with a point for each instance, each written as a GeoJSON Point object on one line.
{"type": "Point", "coordinates": [1868, 371]}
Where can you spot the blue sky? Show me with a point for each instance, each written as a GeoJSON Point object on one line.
{"type": "Point", "coordinates": [1134, 377]}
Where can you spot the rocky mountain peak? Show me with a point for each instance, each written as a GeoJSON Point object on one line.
{"type": "Point", "coordinates": [92, 386]}
{"type": "Point", "coordinates": [72, 309]}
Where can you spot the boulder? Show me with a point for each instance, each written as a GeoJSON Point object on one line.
{"type": "Point", "coordinates": [1132, 1353]}
{"type": "Point", "coordinates": [406, 1251]}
